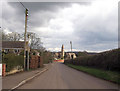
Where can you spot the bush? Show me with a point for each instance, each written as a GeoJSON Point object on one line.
{"type": "Point", "coordinates": [108, 60]}
{"type": "Point", "coordinates": [47, 57]}
{"type": "Point", "coordinates": [12, 61]}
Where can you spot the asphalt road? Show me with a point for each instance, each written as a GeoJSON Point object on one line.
{"type": "Point", "coordinates": [59, 76]}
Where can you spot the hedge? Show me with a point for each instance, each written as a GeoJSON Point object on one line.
{"type": "Point", "coordinates": [11, 60]}
{"type": "Point", "coordinates": [108, 60]}
{"type": "Point", "coordinates": [47, 57]}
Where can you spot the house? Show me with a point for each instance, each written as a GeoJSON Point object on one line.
{"type": "Point", "coordinates": [14, 46]}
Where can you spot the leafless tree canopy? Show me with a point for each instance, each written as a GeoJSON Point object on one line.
{"type": "Point", "coordinates": [34, 41]}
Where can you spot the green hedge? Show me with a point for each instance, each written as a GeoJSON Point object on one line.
{"type": "Point", "coordinates": [108, 60]}
{"type": "Point", "coordinates": [47, 57]}
{"type": "Point", "coordinates": [12, 60]}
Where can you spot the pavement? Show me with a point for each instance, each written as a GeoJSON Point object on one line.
{"type": "Point", "coordinates": [14, 80]}
{"type": "Point", "coordinates": [60, 76]}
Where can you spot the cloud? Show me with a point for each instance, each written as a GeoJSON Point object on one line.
{"type": "Point", "coordinates": [94, 28]}
{"type": "Point", "coordinates": [90, 26]}
{"type": "Point", "coordinates": [99, 26]}
{"type": "Point", "coordinates": [12, 18]}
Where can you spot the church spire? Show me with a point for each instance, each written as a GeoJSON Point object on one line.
{"type": "Point", "coordinates": [62, 51]}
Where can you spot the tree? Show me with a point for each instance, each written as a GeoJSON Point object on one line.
{"type": "Point", "coordinates": [4, 36]}
{"type": "Point", "coordinates": [35, 42]}
{"type": "Point", "coordinates": [14, 36]}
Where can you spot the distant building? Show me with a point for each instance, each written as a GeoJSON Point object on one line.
{"type": "Point", "coordinates": [64, 55]}
{"type": "Point", "coordinates": [70, 55]}
{"type": "Point", "coordinates": [62, 51]}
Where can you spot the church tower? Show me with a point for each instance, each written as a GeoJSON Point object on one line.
{"type": "Point", "coordinates": [62, 51]}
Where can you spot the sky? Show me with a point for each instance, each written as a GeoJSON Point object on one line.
{"type": "Point", "coordinates": [91, 26]}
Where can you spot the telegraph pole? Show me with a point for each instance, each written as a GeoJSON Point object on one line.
{"type": "Point", "coordinates": [26, 51]}
{"type": "Point", "coordinates": [71, 45]}
{"type": "Point", "coordinates": [25, 46]}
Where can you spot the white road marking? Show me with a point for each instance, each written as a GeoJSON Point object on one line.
{"type": "Point", "coordinates": [26, 80]}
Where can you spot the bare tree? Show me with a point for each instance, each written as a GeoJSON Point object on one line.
{"type": "Point", "coordinates": [4, 36]}
{"type": "Point", "coordinates": [11, 36]}
{"type": "Point", "coordinates": [35, 42]}
{"type": "Point", "coordinates": [14, 36]}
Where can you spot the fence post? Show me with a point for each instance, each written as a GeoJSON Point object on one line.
{"type": "Point", "coordinates": [41, 62]}
{"type": "Point", "coordinates": [3, 69]}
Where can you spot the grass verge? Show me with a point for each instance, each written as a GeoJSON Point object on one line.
{"type": "Point", "coordinates": [106, 75]}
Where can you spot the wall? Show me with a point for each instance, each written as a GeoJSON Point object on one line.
{"type": "Point", "coordinates": [35, 62]}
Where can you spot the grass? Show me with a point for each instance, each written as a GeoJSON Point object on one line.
{"type": "Point", "coordinates": [106, 75]}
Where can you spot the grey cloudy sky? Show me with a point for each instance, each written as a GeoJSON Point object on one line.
{"type": "Point", "coordinates": [91, 26]}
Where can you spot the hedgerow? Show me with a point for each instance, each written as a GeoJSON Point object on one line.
{"type": "Point", "coordinates": [12, 60]}
{"type": "Point", "coordinates": [108, 60]}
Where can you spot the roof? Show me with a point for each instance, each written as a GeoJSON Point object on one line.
{"type": "Point", "coordinates": [12, 44]}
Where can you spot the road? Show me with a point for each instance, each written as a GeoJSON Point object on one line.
{"type": "Point", "coordinates": [60, 76]}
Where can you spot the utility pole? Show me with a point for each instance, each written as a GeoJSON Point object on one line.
{"type": "Point", "coordinates": [26, 51]}
{"type": "Point", "coordinates": [71, 45]}
{"type": "Point", "coordinates": [28, 55]}
{"type": "Point", "coordinates": [25, 46]}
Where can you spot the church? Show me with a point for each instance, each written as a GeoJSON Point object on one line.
{"type": "Point", "coordinates": [62, 52]}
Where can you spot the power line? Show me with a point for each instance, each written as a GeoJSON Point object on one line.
{"type": "Point", "coordinates": [22, 4]}
{"type": "Point", "coordinates": [26, 51]}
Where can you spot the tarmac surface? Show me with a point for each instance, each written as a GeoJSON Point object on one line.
{"type": "Point", "coordinates": [60, 76]}
{"type": "Point", "coordinates": [10, 81]}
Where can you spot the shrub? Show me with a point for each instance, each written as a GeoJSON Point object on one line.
{"type": "Point", "coordinates": [108, 60]}
{"type": "Point", "coordinates": [47, 57]}
{"type": "Point", "coordinates": [12, 61]}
